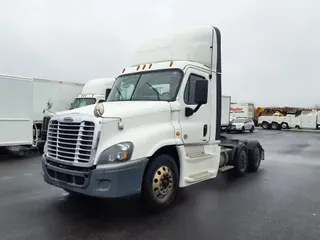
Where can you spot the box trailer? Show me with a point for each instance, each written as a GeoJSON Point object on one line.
{"type": "Point", "coordinates": [225, 112]}
{"type": "Point", "coordinates": [243, 110]}
{"type": "Point", "coordinates": [23, 105]}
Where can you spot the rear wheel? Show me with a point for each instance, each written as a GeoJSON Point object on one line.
{"type": "Point", "coordinates": [284, 125]}
{"type": "Point", "coordinates": [160, 183]}
{"type": "Point", "coordinates": [241, 162]}
{"type": "Point", "coordinates": [254, 159]}
{"type": "Point", "coordinates": [265, 125]}
{"type": "Point", "coordinates": [252, 129]}
{"type": "Point", "coordinates": [274, 126]}
{"type": "Point", "coordinates": [243, 129]}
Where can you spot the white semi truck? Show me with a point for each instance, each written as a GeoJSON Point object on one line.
{"type": "Point", "coordinates": [141, 141]}
{"type": "Point", "coordinates": [93, 92]}
{"type": "Point", "coordinates": [23, 104]}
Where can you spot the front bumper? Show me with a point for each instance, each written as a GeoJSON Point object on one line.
{"type": "Point", "coordinates": [235, 128]}
{"type": "Point", "coordinates": [102, 181]}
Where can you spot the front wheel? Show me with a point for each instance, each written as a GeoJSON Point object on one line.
{"type": "Point", "coordinates": [160, 183]}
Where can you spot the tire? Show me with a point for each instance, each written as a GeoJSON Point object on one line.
{"type": "Point", "coordinates": [265, 125]}
{"type": "Point", "coordinates": [254, 155]}
{"type": "Point", "coordinates": [241, 162]}
{"type": "Point", "coordinates": [162, 170]}
{"type": "Point", "coordinates": [284, 125]}
{"type": "Point", "coordinates": [274, 126]}
{"type": "Point", "coordinates": [252, 129]}
{"type": "Point", "coordinates": [242, 130]}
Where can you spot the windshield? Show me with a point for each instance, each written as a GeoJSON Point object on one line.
{"type": "Point", "coordinates": [82, 102]}
{"type": "Point", "coordinates": [238, 120]}
{"type": "Point", "coordinates": [147, 86]}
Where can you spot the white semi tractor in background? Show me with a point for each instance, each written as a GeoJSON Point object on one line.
{"type": "Point", "coordinates": [141, 141]}
{"type": "Point", "coordinates": [23, 104]}
{"type": "Point", "coordinates": [93, 92]}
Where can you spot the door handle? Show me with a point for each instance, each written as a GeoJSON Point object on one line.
{"type": "Point", "coordinates": [205, 130]}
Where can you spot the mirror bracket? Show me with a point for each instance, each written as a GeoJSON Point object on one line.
{"type": "Point", "coordinates": [189, 111]}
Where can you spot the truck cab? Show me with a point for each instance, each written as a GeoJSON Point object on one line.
{"type": "Point", "coordinates": [158, 131]}
{"type": "Point", "coordinates": [94, 91]}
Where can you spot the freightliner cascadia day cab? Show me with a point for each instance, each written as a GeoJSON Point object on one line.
{"type": "Point", "coordinates": [93, 92]}
{"type": "Point", "coordinates": [158, 130]}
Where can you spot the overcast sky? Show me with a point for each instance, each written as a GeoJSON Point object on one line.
{"type": "Point", "coordinates": [270, 48]}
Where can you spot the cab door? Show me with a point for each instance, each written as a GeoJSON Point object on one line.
{"type": "Point", "coordinates": [195, 129]}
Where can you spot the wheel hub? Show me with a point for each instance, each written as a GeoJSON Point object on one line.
{"type": "Point", "coordinates": [162, 183]}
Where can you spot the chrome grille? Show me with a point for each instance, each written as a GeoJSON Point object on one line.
{"type": "Point", "coordinates": [70, 141]}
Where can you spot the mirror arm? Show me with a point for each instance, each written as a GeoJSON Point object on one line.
{"type": "Point", "coordinates": [189, 111]}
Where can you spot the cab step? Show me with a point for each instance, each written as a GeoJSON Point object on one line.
{"type": "Point", "coordinates": [199, 176]}
{"type": "Point", "coordinates": [226, 168]}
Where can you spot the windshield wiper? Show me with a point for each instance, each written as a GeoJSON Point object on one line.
{"type": "Point", "coordinates": [119, 93]}
{"type": "Point", "coordinates": [158, 94]}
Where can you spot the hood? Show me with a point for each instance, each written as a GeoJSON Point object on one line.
{"type": "Point", "coordinates": [124, 109]}
{"type": "Point", "coordinates": [237, 124]}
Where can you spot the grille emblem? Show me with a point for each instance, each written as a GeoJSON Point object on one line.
{"type": "Point", "coordinates": [68, 119]}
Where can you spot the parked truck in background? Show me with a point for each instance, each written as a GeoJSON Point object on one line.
{"type": "Point", "coordinates": [225, 112]}
{"type": "Point", "coordinates": [141, 141]}
{"type": "Point", "coordinates": [93, 92]}
{"type": "Point", "coordinates": [23, 104]}
{"type": "Point", "coordinates": [294, 119]}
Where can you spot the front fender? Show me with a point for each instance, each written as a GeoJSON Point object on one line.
{"type": "Point", "coordinates": [146, 139]}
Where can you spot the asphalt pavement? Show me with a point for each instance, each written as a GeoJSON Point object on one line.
{"type": "Point", "coordinates": [280, 201]}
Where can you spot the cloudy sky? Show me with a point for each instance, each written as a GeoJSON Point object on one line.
{"type": "Point", "coordinates": [270, 48]}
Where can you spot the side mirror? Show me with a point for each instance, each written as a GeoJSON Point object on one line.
{"type": "Point", "coordinates": [201, 92]}
{"type": "Point", "coordinates": [108, 90]}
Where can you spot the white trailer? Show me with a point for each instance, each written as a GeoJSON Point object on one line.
{"type": "Point", "coordinates": [301, 121]}
{"type": "Point", "coordinates": [93, 92]}
{"type": "Point", "coordinates": [225, 112]}
{"type": "Point", "coordinates": [23, 104]}
{"type": "Point", "coordinates": [141, 141]}
{"type": "Point", "coordinates": [242, 110]}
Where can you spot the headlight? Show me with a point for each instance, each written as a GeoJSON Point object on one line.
{"type": "Point", "coordinates": [120, 152]}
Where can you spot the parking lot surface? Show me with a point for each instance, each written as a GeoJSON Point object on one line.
{"type": "Point", "coordinates": [280, 201]}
